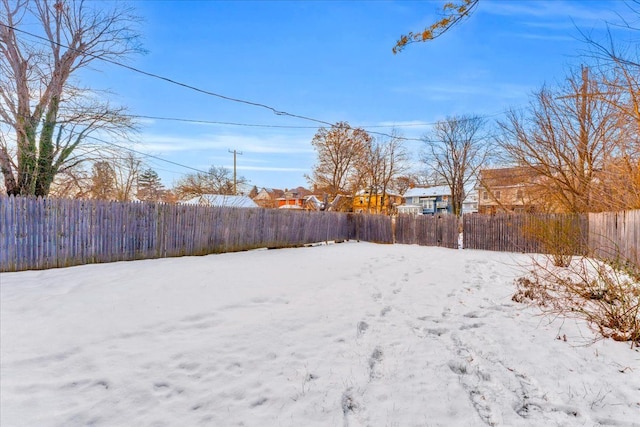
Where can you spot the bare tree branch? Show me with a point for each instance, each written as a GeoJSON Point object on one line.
{"type": "Point", "coordinates": [50, 117]}
{"type": "Point", "coordinates": [454, 13]}
{"type": "Point", "coordinates": [455, 150]}
{"type": "Point", "coordinates": [339, 150]}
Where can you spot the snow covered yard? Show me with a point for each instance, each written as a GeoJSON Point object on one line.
{"type": "Point", "coordinates": [351, 334]}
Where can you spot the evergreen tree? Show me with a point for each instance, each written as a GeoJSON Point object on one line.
{"type": "Point", "coordinates": [150, 188]}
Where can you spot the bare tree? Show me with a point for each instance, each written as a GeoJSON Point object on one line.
{"type": "Point", "coordinates": [115, 178]}
{"type": "Point", "coordinates": [383, 160]}
{"type": "Point", "coordinates": [339, 150]}
{"type": "Point", "coordinates": [217, 180]}
{"type": "Point", "coordinates": [126, 170]}
{"type": "Point", "coordinates": [103, 181]}
{"type": "Point", "coordinates": [454, 151]}
{"type": "Point", "coordinates": [567, 138]}
{"type": "Point", "coordinates": [72, 183]}
{"type": "Point", "coordinates": [403, 182]}
{"type": "Point", "coordinates": [619, 64]}
{"type": "Point", "coordinates": [44, 116]}
{"type": "Point", "coordinates": [454, 13]}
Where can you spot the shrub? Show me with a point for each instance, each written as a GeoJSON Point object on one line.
{"type": "Point", "coordinates": [608, 299]}
{"type": "Point", "coordinates": [559, 236]}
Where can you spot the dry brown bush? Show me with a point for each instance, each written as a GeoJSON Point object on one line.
{"type": "Point", "coordinates": [559, 235]}
{"type": "Point", "coordinates": [606, 298]}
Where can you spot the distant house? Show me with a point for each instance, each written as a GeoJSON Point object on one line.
{"type": "Point", "coordinates": [222, 200]}
{"type": "Point", "coordinates": [430, 200]}
{"type": "Point", "coordinates": [340, 203]}
{"type": "Point", "coordinates": [410, 209]}
{"type": "Point", "coordinates": [293, 198]}
{"type": "Point", "coordinates": [371, 202]}
{"type": "Point", "coordinates": [267, 197]}
{"type": "Point", "coordinates": [507, 190]}
{"type": "Point", "coordinates": [470, 203]}
{"type": "Point", "coordinates": [275, 198]}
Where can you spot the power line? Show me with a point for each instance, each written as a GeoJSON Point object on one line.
{"type": "Point", "coordinates": [169, 80]}
{"type": "Point", "coordinates": [227, 98]}
{"type": "Point", "coordinates": [213, 122]}
{"type": "Point", "coordinates": [191, 87]}
{"type": "Point", "coordinates": [145, 154]}
{"type": "Point", "coordinates": [264, 125]}
{"type": "Point", "coordinates": [214, 94]}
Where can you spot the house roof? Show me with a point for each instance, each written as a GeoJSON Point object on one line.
{"type": "Point", "coordinates": [222, 200]}
{"type": "Point", "coordinates": [269, 194]}
{"type": "Point", "coordinates": [440, 190]}
{"type": "Point", "coordinates": [301, 191]}
{"type": "Point", "coordinates": [505, 177]}
{"type": "Point", "coordinates": [379, 193]}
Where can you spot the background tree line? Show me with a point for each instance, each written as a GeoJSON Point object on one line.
{"type": "Point", "coordinates": [48, 121]}
{"type": "Point", "coordinates": [579, 138]}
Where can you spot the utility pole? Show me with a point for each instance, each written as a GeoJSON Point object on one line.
{"type": "Point", "coordinates": [235, 189]}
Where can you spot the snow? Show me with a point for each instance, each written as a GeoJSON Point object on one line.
{"type": "Point", "coordinates": [351, 334]}
{"type": "Point", "coordinates": [222, 200]}
{"type": "Point", "coordinates": [440, 190]}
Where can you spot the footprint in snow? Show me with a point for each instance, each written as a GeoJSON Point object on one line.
{"type": "Point", "coordinates": [362, 327]}
{"type": "Point", "coordinates": [374, 363]}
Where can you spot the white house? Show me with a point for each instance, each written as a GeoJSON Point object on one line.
{"type": "Point", "coordinates": [222, 200]}
{"type": "Point", "coordinates": [470, 203]}
{"type": "Point", "coordinates": [431, 200]}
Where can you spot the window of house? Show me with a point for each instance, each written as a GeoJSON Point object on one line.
{"type": "Point", "coordinates": [485, 195]}
{"type": "Point", "coordinates": [497, 195]}
{"type": "Point", "coordinates": [426, 204]}
{"type": "Point", "coordinates": [518, 194]}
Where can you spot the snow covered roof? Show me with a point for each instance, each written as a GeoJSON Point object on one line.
{"type": "Point", "coordinates": [222, 200]}
{"type": "Point", "coordinates": [440, 190]}
{"type": "Point", "coordinates": [364, 192]}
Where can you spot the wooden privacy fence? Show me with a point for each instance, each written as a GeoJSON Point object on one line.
{"type": "Point", "coordinates": [427, 230]}
{"type": "Point", "coordinates": [527, 233]}
{"type": "Point", "coordinates": [616, 236]}
{"type": "Point", "coordinates": [371, 228]}
{"type": "Point", "coordinates": [45, 233]}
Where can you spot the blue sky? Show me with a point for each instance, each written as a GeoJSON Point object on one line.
{"type": "Point", "coordinates": [332, 61]}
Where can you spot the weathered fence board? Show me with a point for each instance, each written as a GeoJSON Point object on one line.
{"type": "Point", "coordinates": [38, 233]}
{"type": "Point", "coordinates": [372, 228]}
{"type": "Point", "coordinates": [616, 235]}
{"type": "Point", "coordinates": [526, 233]}
{"type": "Point", "coordinates": [427, 230]}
